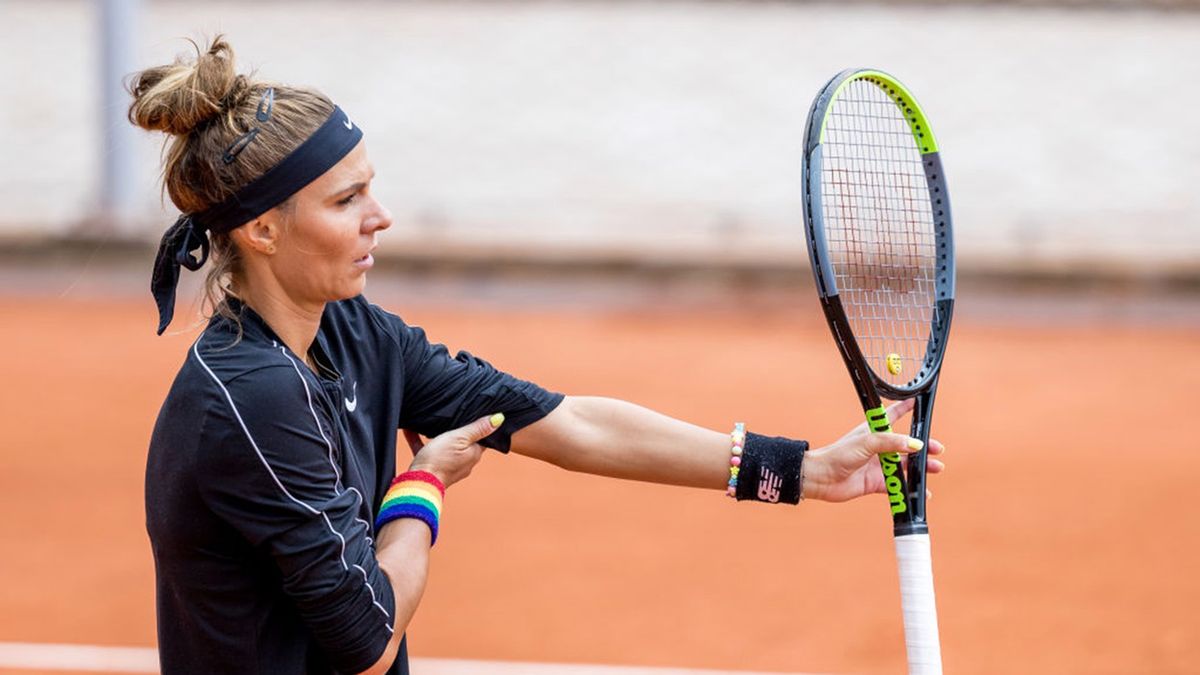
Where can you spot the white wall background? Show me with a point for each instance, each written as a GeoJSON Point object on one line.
{"type": "Point", "coordinates": [1071, 137]}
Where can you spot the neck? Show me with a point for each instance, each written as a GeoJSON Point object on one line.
{"type": "Point", "coordinates": [296, 323]}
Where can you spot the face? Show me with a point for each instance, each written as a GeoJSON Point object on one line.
{"type": "Point", "coordinates": [325, 235]}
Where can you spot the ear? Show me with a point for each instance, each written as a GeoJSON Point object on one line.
{"type": "Point", "coordinates": [261, 234]}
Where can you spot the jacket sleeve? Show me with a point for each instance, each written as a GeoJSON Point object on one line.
{"type": "Point", "coordinates": [443, 392]}
{"type": "Point", "coordinates": [272, 475]}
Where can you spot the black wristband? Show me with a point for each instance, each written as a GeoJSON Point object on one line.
{"type": "Point", "coordinates": [770, 469]}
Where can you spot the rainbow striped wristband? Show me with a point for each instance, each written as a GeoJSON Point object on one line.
{"type": "Point", "coordinates": [413, 494]}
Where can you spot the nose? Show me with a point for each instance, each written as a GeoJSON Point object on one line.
{"type": "Point", "coordinates": [379, 219]}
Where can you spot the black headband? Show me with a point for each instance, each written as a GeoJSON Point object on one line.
{"type": "Point", "coordinates": [316, 155]}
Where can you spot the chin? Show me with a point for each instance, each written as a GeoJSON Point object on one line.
{"type": "Point", "coordinates": [354, 288]}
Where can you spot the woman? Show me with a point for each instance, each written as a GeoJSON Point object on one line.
{"type": "Point", "coordinates": [284, 542]}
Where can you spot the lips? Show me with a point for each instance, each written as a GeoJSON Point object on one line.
{"type": "Point", "coordinates": [367, 255]}
{"type": "Point", "coordinates": [367, 260]}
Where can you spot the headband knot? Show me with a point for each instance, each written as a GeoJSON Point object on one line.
{"type": "Point", "coordinates": [190, 236]}
{"type": "Point", "coordinates": [175, 249]}
{"type": "Point", "coordinates": [332, 141]}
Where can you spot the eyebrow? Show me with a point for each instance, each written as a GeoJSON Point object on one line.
{"type": "Point", "coordinates": [355, 187]}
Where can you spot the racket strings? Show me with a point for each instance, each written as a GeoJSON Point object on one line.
{"type": "Point", "coordinates": [879, 228]}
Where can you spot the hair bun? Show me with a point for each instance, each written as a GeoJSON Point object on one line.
{"type": "Point", "coordinates": [178, 97]}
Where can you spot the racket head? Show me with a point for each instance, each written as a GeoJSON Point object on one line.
{"type": "Point", "coordinates": [880, 233]}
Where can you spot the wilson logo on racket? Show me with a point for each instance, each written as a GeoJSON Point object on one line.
{"type": "Point", "coordinates": [768, 486]}
{"type": "Point", "coordinates": [895, 490]}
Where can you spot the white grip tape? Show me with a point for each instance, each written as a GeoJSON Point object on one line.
{"type": "Point", "coordinates": [920, 610]}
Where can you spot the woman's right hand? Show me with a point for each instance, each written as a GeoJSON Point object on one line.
{"type": "Point", "coordinates": [846, 468]}
{"type": "Point", "coordinates": [452, 455]}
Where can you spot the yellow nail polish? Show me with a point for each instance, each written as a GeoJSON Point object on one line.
{"type": "Point", "coordinates": [915, 443]}
{"type": "Point", "coordinates": [496, 420]}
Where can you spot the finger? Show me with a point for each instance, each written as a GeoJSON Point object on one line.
{"type": "Point", "coordinates": [414, 441]}
{"type": "Point", "coordinates": [934, 466]}
{"type": "Point", "coordinates": [899, 409]}
{"type": "Point", "coordinates": [480, 428]}
{"type": "Point", "coordinates": [936, 447]}
{"type": "Point", "coordinates": [883, 443]}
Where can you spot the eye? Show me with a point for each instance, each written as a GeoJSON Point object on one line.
{"type": "Point", "coordinates": [347, 199]}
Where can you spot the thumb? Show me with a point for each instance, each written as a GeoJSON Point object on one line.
{"type": "Point", "coordinates": [879, 444]}
{"type": "Point", "coordinates": [482, 427]}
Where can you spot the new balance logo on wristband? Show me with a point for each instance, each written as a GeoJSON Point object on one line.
{"type": "Point", "coordinates": [768, 486]}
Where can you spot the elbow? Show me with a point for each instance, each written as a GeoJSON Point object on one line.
{"type": "Point", "coordinates": [355, 622]}
{"type": "Point", "coordinates": [369, 651]}
{"type": "Point", "coordinates": [385, 661]}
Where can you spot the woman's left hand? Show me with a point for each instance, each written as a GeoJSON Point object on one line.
{"type": "Point", "coordinates": [847, 468]}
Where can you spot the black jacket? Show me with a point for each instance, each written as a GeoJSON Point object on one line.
{"type": "Point", "coordinates": [263, 480]}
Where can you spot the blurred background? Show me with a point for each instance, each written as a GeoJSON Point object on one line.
{"type": "Point", "coordinates": [562, 129]}
{"type": "Point", "coordinates": [619, 184]}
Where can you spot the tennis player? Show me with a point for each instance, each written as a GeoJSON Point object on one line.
{"type": "Point", "coordinates": [290, 535]}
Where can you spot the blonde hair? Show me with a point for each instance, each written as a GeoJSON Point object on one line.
{"type": "Point", "coordinates": [205, 106]}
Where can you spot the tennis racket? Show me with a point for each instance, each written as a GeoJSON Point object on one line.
{"type": "Point", "coordinates": [877, 220]}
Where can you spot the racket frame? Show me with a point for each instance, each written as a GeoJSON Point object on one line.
{"type": "Point", "coordinates": [906, 494]}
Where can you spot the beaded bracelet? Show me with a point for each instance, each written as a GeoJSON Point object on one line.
{"type": "Point", "coordinates": [413, 494]}
{"type": "Point", "coordinates": [738, 439]}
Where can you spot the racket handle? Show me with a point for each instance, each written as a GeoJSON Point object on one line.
{"type": "Point", "coordinates": [920, 610]}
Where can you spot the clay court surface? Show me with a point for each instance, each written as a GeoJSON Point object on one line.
{"type": "Point", "coordinates": [1065, 536]}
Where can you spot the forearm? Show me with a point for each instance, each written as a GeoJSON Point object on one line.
{"type": "Point", "coordinates": [402, 549]}
{"type": "Point", "coordinates": [615, 438]}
